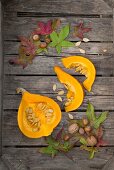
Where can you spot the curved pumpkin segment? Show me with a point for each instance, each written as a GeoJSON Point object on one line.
{"type": "Point", "coordinates": [82, 65]}
{"type": "Point", "coordinates": [75, 93]}
{"type": "Point", "coordinates": [38, 115]}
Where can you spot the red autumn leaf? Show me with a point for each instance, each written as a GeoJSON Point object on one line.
{"type": "Point", "coordinates": [99, 132]}
{"type": "Point", "coordinates": [44, 28]}
{"type": "Point", "coordinates": [28, 45]}
{"type": "Point", "coordinates": [17, 61]}
{"type": "Point", "coordinates": [80, 30]}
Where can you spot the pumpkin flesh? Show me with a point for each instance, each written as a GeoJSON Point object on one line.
{"type": "Point", "coordinates": [75, 92]}
{"type": "Point", "coordinates": [84, 66]}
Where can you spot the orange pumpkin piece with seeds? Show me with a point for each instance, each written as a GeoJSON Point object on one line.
{"type": "Point", "coordinates": [75, 92]}
{"type": "Point", "coordinates": [84, 66]}
{"type": "Point", "coordinates": [37, 115]}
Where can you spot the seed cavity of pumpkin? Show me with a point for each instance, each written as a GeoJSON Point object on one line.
{"type": "Point", "coordinates": [59, 98]}
{"type": "Point", "coordinates": [54, 87]}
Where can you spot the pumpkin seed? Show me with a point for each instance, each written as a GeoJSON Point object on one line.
{"type": "Point", "coordinates": [59, 98]}
{"type": "Point", "coordinates": [54, 87]}
{"type": "Point", "coordinates": [50, 110]}
{"type": "Point", "coordinates": [105, 50]}
{"type": "Point", "coordinates": [67, 103]}
{"type": "Point", "coordinates": [77, 43]}
{"type": "Point", "coordinates": [82, 51]}
{"type": "Point", "coordinates": [30, 110]}
{"type": "Point", "coordinates": [61, 92]}
{"type": "Point", "coordinates": [86, 40]}
{"type": "Point", "coordinates": [35, 129]}
{"type": "Point", "coordinates": [70, 116]}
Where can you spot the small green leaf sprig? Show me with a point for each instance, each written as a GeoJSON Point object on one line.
{"type": "Point", "coordinates": [86, 131]}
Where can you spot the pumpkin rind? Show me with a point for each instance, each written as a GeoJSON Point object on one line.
{"type": "Point", "coordinates": [84, 66]}
{"type": "Point", "coordinates": [75, 90]}
{"type": "Point", "coordinates": [44, 123]}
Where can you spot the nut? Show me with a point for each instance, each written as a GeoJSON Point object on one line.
{"type": "Point", "coordinates": [87, 128]}
{"type": "Point", "coordinates": [36, 37]}
{"type": "Point", "coordinates": [91, 140]}
{"type": "Point", "coordinates": [66, 137]}
{"type": "Point", "coordinates": [81, 131]}
{"type": "Point", "coordinates": [73, 128]}
{"type": "Point", "coordinates": [43, 45]}
{"type": "Point", "coordinates": [85, 121]}
{"type": "Point", "coordinates": [47, 40]}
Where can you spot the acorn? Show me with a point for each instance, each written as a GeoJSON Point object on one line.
{"type": "Point", "coordinates": [43, 45]}
{"type": "Point", "coordinates": [85, 121]}
{"type": "Point", "coordinates": [91, 140]}
{"type": "Point", "coordinates": [47, 40]}
{"type": "Point", "coordinates": [81, 131]}
{"type": "Point", "coordinates": [66, 137]}
{"type": "Point", "coordinates": [73, 128]}
{"type": "Point", "coordinates": [87, 128]}
{"type": "Point", "coordinates": [36, 37]}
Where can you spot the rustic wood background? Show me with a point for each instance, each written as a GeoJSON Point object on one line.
{"type": "Point", "coordinates": [19, 18]}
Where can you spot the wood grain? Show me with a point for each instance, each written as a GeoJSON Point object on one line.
{"type": "Point", "coordinates": [15, 26]}
{"type": "Point", "coordinates": [58, 6]}
{"type": "Point", "coordinates": [30, 158]}
{"type": "Point", "coordinates": [43, 84]}
{"type": "Point", "coordinates": [12, 136]}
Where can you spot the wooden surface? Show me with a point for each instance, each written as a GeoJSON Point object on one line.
{"type": "Point", "coordinates": [20, 17]}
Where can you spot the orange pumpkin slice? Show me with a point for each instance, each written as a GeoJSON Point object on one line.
{"type": "Point", "coordinates": [38, 115]}
{"type": "Point", "coordinates": [84, 66]}
{"type": "Point", "coordinates": [75, 93]}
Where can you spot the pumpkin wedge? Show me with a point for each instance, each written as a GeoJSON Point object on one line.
{"type": "Point", "coordinates": [75, 92]}
{"type": "Point", "coordinates": [84, 66]}
{"type": "Point", "coordinates": [37, 115]}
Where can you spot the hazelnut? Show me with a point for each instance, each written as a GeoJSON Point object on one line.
{"type": "Point", "coordinates": [47, 40]}
{"type": "Point", "coordinates": [36, 37]}
{"type": "Point", "coordinates": [87, 128]}
{"type": "Point", "coordinates": [91, 140]}
{"type": "Point", "coordinates": [66, 137]}
{"type": "Point", "coordinates": [73, 128]}
{"type": "Point", "coordinates": [85, 121]}
{"type": "Point", "coordinates": [43, 45]}
{"type": "Point", "coordinates": [81, 131]}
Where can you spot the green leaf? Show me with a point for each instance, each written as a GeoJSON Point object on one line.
{"type": "Point", "coordinates": [100, 119]}
{"type": "Point", "coordinates": [66, 44]}
{"type": "Point", "coordinates": [51, 141]}
{"type": "Point", "coordinates": [54, 37]}
{"type": "Point", "coordinates": [52, 44]}
{"type": "Point", "coordinates": [58, 48]}
{"type": "Point", "coordinates": [90, 112]}
{"type": "Point", "coordinates": [45, 49]}
{"type": "Point", "coordinates": [64, 33]}
{"type": "Point", "coordinates": [91, 155]}
{"type": "Point", "coordinates": [39, 50]}
{"type": "Point", "coordinates": [83, 141]}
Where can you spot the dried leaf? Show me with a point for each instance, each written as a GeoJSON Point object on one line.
{"type": "Point", "coordinates": [59, 98]}
{"type": "Point", "coordinates": [86, 40]}
{"type": "Point", "coordinates": [70, 116]}
{"type": "Point", "coordinates": [77, 44]}
{"type": "Point", "coordinates": [59, 134]}
{"type": "Point", "coordinates": [43, 28]}
{"type": "Point", "coordinates": [56, 23]}
{"type": "Point", "coordinates": [82, 51]}
{"type": "Point", "coordinates": [80, 30]}
{"type": "Point", "coordinates": [61, 92]}
{"type": "Point", "coordinates": [54, 87]}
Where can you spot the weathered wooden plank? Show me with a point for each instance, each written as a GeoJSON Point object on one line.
{"type": "Point", "coordinates": [43, 84]}
{"type": "Point", "coordinates": [2, 165]}
{"type": "Point", "coordinates": [66, 7]}
{"type": "Point", "coordinates": [11, 47]}
{"type": "Point", "coordinates": [100, 102]}
{"type": "Point", "coordinates": [30, 158]}
{"type": "Point", "coordinates": [43, 65]}
{"type": "Point", "coordinates": [16, 26]}
{"type": "Point", "coordinates": [13, 136]}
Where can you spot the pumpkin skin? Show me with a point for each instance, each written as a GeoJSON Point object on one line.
{"type": "Point", "coordinates": [84, 66]}
{"type": "Point", "coordinates": [38, 115]}
{"type": "Point", "coordinates": [75, 92]}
